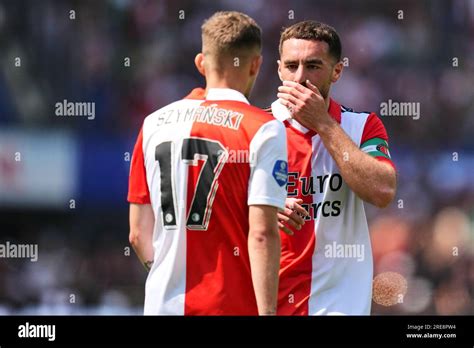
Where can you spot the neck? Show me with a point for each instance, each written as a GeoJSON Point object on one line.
{"type": "Point", "coordinates": [327, 101]}
{"type": "Point", "coordinates": [229, 81]}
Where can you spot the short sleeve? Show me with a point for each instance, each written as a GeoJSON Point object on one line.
{"type": "Point", "coordinates": [269, 166]}
{"type": "Point", "coordinates": [137, 185]}
{"type": "Point", "coordinates": [374, 139]}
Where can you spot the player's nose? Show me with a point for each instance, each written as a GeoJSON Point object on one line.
{"type": "Point", "coordinates": [299, 76]}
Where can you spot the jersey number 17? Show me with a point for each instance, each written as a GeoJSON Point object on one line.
{"type": "Point", "coordinates": [194, 149]}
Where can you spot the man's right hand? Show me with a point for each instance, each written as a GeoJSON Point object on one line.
{"type": "Point", "coordinates": [292, 217]}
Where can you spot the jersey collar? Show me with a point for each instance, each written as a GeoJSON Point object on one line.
{"type": "Point", "coordinates": [225, 94]}
{"type": "Point", "coordinates": [217, 94]}
{"type": "Point", "coordinates": [197, 93]}
{"type": "Point", "coordinates": [335, 110]}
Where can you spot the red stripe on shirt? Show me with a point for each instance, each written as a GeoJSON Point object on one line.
{"type": "Point", "coordinates": [218, 274]}
{"type": "Point", "coordinates": [137, 185]}
{"type": "Point", "coordinates": [296, 257]}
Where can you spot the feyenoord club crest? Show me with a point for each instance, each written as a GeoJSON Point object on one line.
{"type": "Point", "coordinates": [383, 149]}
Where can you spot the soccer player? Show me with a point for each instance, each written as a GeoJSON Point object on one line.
{"type": "Point", "coordinates": [337, 159]}
{"type": "Point", "coordinates": [202, 221]}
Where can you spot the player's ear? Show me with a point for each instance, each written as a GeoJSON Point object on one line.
{"type": "Point", "coordinates": [199, 62]}
{"type": "Point", "coordinates": [337, 71]}
{"type": "Point", "coordinates": [256, 64]}
{"type": "Point", "coordinates": [279, 69]}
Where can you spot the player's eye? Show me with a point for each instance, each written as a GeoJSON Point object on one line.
{"type": "Point", "coordinates": [313, 67]}
{"type": "Point", "coordinates": [292, 67]}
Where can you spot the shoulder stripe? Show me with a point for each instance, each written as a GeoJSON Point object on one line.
{"type": "Point", "coordinates": [374, 141]}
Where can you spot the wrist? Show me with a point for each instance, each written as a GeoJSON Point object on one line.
{"type": "Point", "coordinates": [268, 313]}
{"type": "Point", "coordinates": [326, 125]}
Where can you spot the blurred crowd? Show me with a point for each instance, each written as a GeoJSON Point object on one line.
{"type": "Point", "coordinates": [132, 57]}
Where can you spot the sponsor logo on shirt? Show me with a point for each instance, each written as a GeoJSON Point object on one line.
{"type": "Point", "coordinates": [302, 186]}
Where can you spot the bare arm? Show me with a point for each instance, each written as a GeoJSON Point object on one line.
{"type": "Point", "coordinates": [372, 180]}
{"type": "Point", "coordinates": [264, 254]}
{"type": "Point", "coordinates": [142, 222]}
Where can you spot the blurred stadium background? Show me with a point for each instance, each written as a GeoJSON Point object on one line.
{"type": "Point", "coordinates": [68, 192]}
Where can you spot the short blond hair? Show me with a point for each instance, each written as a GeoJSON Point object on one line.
{"type": "Point", "coordinates": [230, 33]}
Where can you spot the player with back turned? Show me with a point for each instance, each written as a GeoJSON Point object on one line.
{"type": "Point", "coordinates": [205, 225]}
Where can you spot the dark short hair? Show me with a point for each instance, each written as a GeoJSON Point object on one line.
{"type": "Point", "coordinates": [316, 31]}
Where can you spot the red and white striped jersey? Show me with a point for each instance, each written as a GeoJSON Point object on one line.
{"type": "Point", "coordinates": [326, 267]}
{"type": "Point", "coordinates": [201, 163]}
